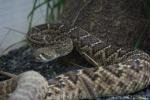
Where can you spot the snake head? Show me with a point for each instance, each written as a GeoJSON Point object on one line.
{"type": "Point", "coordinates": [46, 54]}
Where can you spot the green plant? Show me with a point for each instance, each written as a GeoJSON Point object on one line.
{"type": "Point", "coordinates": [147, 17]}
{"type": "Point", "coordinates": [51, 5]}
{"type": "Point", "coordinates": [147, 9]}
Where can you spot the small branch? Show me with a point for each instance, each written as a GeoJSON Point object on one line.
{"type": "Point", "coordinates": [4, 38]}
{"type": "Point", "coordinates": [15, 30]}
{"type": "Point", "coordinates": [8, 74]}
{"type": "Point", "coordinates": [142, 34]}
{"type": "Point", "coordinates": [75, 19]}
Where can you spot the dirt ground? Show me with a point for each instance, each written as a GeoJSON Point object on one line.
{"type": "Point", "coordinates": [119, 22]}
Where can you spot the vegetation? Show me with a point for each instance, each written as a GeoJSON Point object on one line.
{"type": "Point", "coordinates": [50, 5]}
{"type": "Point", "coordinates": [147, 17]}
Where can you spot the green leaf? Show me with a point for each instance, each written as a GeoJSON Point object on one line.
{"type": "Point", "coordinates": [58, 5]}
{"type": "Point", "coordinates": [38, 6]}
{"type": "Point", "coordinates": [31, 16]}
{"type": "Point", "coordinates": [141, 35]}
{"type": "Point", "coordinates": [50, 14]}
{"type": "Point", "coordinates": [147, 16]}
{"type": "Point", "coordinates": [147, 9]}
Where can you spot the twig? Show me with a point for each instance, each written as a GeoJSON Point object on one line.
{"type": "Point", "coordinates": [10, 29]}
{"type": "Point", "coordinates": [16, 43]}
{"type": "Point", "coordinates": [100, 7]}
{"type": "Point", "coordinates": [8, 74]}
{"type": "Point", "coordinates": [75, 19]}
{"type": "Point", "coordinates": [4, 38]}
{"type": "Point", "coordinates": [141, 35]}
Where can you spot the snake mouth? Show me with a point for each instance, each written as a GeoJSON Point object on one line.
{"type": "Point", "coordinates": [44, 59]}
{"type": "Point", "coordinates": [48, 58]}
{"type": "Point", "coordinates": [52, 52]}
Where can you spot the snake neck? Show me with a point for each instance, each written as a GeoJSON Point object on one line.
{"type": "Point", "coordinates": [94, 49]}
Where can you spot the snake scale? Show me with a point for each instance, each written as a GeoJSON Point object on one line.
{"type": "Point", "coordinates": [116, 72]}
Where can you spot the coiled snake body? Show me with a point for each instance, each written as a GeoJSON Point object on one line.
{"type": "Point", "coordinates": [116, 71]}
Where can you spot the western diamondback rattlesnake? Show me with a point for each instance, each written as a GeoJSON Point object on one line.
{"type": "Point", "coordinates": [117, 71]}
